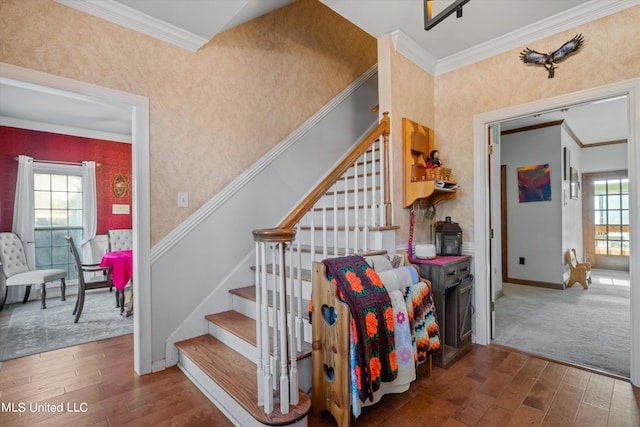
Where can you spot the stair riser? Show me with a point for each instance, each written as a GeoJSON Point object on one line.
{"type": "Point", "coordinates": [316, 218]}
{"type": "Point", "coordinates": [342, 236]}
{"type": "Point", "coordinates": [238, 344]}
{"type": "Point", "coordinates": [329, 200]}
{"type": "Point", "coordinates": [361, 165]}
{"type": "Point", "coordinates": [247, 307]}
{"type": "Point", "coordinates": [305, 286]}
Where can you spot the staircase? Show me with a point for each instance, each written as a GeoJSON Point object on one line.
{"type": "Point", "coordinates": [255, 361]}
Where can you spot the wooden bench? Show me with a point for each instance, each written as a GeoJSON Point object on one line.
{"type": "Point", "coordinates": [580, 272]}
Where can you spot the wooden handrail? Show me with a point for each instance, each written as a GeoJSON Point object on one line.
{"type": "Point", "coordinates": [285, 232]}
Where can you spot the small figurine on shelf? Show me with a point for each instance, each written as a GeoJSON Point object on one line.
{"type": "Point", "coordinates": [434, 159]}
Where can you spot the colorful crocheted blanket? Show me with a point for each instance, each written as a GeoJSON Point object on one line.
{"type": "Point", "coordinates": [422, 320]}
{"type": "Point", "coordinates": [362, 290]}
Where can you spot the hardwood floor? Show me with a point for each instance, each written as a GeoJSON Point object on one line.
{"type": "Point", "coordinates": [98, 381]}
{"type": "Point", "coordinates": [489, 386]}
{"type": "Point", "coordinates": [497, 386]}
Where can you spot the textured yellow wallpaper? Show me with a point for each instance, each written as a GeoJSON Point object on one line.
{"type": "Point", "coordinates": [610, 55]}
{"type": "Point", "coordinates": [213, 113]}
{"type": "Point", "coordinates": [406, 91]}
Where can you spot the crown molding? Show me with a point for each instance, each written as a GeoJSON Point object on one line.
{"type": "Point", "coordinates": [408, 48]}
{"type": "Point", "coordinates": [64, 130]}
{"type": "Point", "coordinates": [125, 16]}
{"type": "Point", "coordinates": [574, 17]}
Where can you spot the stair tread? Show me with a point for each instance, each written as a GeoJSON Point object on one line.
{"type": "Point", "coordinates": [236, 323]}
{"type": "Point", "coordinates": [244, 327]}
{"type": "Point", "coordinates": [237, 377]}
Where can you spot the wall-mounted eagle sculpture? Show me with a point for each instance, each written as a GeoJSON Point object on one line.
{"type": "Point", "coordinates": [549, 60]}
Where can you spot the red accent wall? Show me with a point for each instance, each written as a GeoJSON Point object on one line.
{"type": "Point", "coordinates": [114, 159]}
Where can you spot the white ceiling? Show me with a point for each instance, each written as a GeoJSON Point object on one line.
{"type": "Point", "coordinates": [486, 28]}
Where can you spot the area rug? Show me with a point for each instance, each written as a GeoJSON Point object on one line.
{"type": "Point", "coordinates": [587, 327]}
{"type": "Point", "coordinates": [31, 330]}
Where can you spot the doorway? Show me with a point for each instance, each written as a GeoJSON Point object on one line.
{"type": "Point", "coordinates": [139, 110]}
{"type": "Point", "coordinates": [606, 217]}
{"type": "Point", "coordinates": [485, 259]}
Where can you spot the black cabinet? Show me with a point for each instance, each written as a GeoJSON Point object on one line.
{"type": "Point", "coordinates": [451, 284]}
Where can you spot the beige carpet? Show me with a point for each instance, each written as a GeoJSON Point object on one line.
{"type": "Point", "coordinates": [586, 327]}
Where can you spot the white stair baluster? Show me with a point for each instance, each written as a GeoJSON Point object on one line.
{"type": "Point", "coordinates": [335, 219]}
{"type": "Point", "coordinates": [280, 325]}
{"type": "Point", "coordinates": [267, 385]}
{"type": "Point", "coordinates": [365, 226]}
{"type": "Point", "coordinates": [356, 192]}
{"type": "Point", "coordinates": [299, 324]}
{"type": "Point", "coordinates": [346, 214]}
{"type": "Point", "coordinates": [293, 333]}
{"type": "Point", "coordinates": [258, 331]}
{"type": "Point", "coordinates": [324, 228]}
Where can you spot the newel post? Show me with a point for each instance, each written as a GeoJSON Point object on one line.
{"type": "Point", "coordinates": [387, 172]}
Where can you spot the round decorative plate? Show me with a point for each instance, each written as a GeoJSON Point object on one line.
{"type": "Point", "coordinates": [119, 186]}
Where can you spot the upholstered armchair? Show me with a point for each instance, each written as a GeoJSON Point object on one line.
{"type": "Point", "coordinates": [120, 240]}
{"type": "Point", "coordinates": [16, 270]}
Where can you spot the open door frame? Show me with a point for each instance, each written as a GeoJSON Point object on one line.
{"type": "Point", "coordinates": [483, 186]}
{"type": "Point", "coordinates": [139, 107]}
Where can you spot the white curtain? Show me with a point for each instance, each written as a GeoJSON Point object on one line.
{"type": "Point", "coordinates": [23, 213]}
{"type": "Point", "coordinates": [89, 209]}
{"type": "Point", "coordinates": [24, 220]}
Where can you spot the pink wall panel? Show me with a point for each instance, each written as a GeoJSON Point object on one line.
{"type": "Point", "coordinates": [114, 159]}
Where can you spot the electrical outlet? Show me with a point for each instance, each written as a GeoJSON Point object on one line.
{"type": "Point", "coordinates": [521, 260]}
{"type": "Point", "coordinates": [183, 199]}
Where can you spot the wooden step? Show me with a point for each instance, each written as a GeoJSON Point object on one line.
{"type": "Point", "coordinates": [238, 324]}
{"type": "Point", "coordinates": [245, 327]}
{"type": "Point", "coordinates": [236, 375]}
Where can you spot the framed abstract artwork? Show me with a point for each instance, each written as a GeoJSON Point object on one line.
{"type": "Point", "coordinates": [534, 183]}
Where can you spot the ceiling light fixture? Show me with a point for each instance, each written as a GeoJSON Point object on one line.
{"type": "Point", "coordinates": [430, 22]}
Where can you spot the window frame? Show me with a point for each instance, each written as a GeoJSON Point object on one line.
{"type": "Point", "coordinates": [68, 170]}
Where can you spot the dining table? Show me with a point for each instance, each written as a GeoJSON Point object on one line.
{"type": "Point", "coordinates": [121, 263]}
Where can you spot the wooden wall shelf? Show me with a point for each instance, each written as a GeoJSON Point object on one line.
{"type": "Point", "coordinates": [418, 144]}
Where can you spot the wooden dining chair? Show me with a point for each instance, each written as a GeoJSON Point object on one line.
{"type": "Point", "coordinates": [102, 280]}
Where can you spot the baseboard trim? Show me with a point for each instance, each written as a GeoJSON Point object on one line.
{"type": "Point", "coordinates": [548, 285]}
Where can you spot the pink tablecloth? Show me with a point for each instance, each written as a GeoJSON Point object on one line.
{"type": "Point", "coordinates": [121, 263]}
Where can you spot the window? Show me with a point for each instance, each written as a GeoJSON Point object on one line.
{"type": "Point", "coordinates": [611, 213]}
{"type": "Point", "coordinates": [58, 212]}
